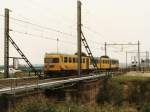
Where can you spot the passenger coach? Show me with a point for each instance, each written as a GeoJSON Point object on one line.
{"type": "Point", "coordinates": [63, 64]}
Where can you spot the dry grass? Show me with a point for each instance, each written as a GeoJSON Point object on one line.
{"type": "Point", "coordinates": [123, 78]}
{"type": "Point", "coordinates": [42, 104]}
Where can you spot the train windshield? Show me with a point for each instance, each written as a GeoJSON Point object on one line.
{"type": "Point", "coordinates": [52, 60]}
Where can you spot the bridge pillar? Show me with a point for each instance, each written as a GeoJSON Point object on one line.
{"type": "Point", "coordinates": [7, 102]}
{"type": "Point", "coordinates": [87, 91]}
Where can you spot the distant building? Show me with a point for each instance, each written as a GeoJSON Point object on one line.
{"type": "Point", "coordinates": [15, 63]}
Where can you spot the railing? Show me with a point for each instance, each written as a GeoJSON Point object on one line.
{"type": "Point", "coordinates": [14, 85]}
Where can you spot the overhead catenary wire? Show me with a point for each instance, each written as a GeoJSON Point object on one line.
{"type": "Point", "coordinates": [58, 31]}
{"type": "Point", "coordinates": [43, 37]}
{"type": "Point", "coordinates": [43, 27]}
{"type": "Point", "coordinates": [70, 35]}
{"type": "Point", "coordinates": [94, 32]}
{"type": "Point", "coordinates": [95, 42]}
{"type": "Point", "coordinates": [49, 38]}
{"type": "Point", "coordinates": [98, 34]}
{"type": "Point", "coordinates": [48, 28]}
{"type": "Point", "coordinates": [40, 26]}
{"type": "Point", "coordinates": [55, 30]}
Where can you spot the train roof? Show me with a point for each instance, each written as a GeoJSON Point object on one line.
{"type": "Point", "coordinates": [104, 57]}
{"type": "Point", "coordinates": [83, 54]}
{"type": "Point", "coordinates": [48, 54]}
{"type": "Point", "coordinates": [115, 59]}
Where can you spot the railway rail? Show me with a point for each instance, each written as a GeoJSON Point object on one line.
{"type": "Point", "coordinates": [13, 85]}
{"type": "Point", "coordinates": [12, 82]}
{"type": "Point", "coordinates": [44, 84]}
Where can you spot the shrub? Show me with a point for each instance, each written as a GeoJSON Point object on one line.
{"type": "Point", "coordinates": [111, 92]}
{"type": "Point", "coordinates": [34, 104]}
{"type": "Point", "coordinates": [145, 108]}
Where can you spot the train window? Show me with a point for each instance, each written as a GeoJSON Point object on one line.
{"type": "Point", "coordinates": [65, 59]}
{"type": "Point", "coordinates": [83, 60]}
{"type": "Point", "coordinates": [74, 60]}
{"type": "Point", "coordinates": [87, 60]}
{"type": "Point", "coordinates": [62, 59]}
{"type": "Point", "coordinates": [52, 60]}
{"type": "Point", "coordinates": [106, 61]}
{"type": "Point", "coordinates": [103, 61]}
{"type": "Point", "coordinates": [70, 60]}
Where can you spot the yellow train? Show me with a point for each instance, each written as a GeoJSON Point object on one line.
{"type": "Point", "coordinates": [65, 63]}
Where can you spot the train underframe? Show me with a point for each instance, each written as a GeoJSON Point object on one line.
{"type": "Point", "coordinates": [62, 73]}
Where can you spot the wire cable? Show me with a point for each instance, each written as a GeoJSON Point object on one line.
{"type": "Point", "coordinates": [44, 37]}
{"type": "Point", "coordinates": [40, 26]}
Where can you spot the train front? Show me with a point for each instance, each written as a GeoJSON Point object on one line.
{"type": "Point", "coordinates": [51, 64]}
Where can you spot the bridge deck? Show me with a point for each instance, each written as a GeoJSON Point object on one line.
{"type": "Point", "coordinates": [15, 89]}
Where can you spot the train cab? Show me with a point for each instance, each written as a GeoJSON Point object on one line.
{"type": "Point", "coordinates": [104, 63]}
{"type": "Point", "coordinates": [63, 63]}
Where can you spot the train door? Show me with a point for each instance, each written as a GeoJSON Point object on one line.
{"type": "Point", "coordinates": [87, 63]}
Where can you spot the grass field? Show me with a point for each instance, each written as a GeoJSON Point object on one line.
{"type": "Point", "coordinates": [130, 78]}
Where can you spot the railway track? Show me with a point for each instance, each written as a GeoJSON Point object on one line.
{"type": "Point", "coordinates": [25, 81]}
{"type": "Point", "coordinates": [14, 82]}
{"type": "Point", "coordinates": [56, 83]}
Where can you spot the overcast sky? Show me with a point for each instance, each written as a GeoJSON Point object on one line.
{"type": "Point", "coordinates": [111, 21]}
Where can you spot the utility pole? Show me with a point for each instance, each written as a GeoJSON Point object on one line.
{"type": "Point", "coordinates": [105, 49]}
{"type": "Point", "coordinates": [139, 55]}
{"type": "Point", "coordinates": [6, 44]}
{"type": "Point", "coordinates": [148, 59]}
{"type": "Point", "coordinates": [57, 45]}
{"type": "Point", "coordinates": [126, 60]}
{"type": "Point", "coordinates": [79, 45]}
